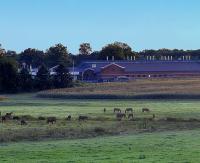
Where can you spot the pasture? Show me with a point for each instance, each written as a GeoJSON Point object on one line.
{"type": "Point", "coordinates": [105, 138]}
{"type": "Point", "coordinates": [165, 147]}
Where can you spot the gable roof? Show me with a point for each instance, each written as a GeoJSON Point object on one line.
{"type": "Point", "coordinates": [106, 66]}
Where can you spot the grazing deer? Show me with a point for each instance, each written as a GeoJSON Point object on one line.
{"type": "Point", "coordinates": [9, 115]}
{"type": "Point", "coordinates": [16, 118]}
{"type": "Point", "coordinates": [129, 110]}
{"type": "Point", "coordinates": [130, 115]}
{"type": "Point", "coordinates": [23, 122]}
{"type": "Point", "coordinates": [69, 117]}
{"type": "Point", "coordinates": [3, 119]}
{"type": "Point", "coordinates": [82, 117]}
{"type": "Point", "coordinates": [119, 116]}
{"type": "Point", "coordinates": [145, 110]}
{"type": "Point", "coordinates": [117, 110]}
{"type": "Point", "coordinates": [51, 120]}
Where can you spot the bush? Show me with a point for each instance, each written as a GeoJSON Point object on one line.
{"type": "Point", "coordinates": [173, 119]}
{"type": "Point", "coordinates": [99, 130]}
{"type": "Point", "coordinates": [142, 157]}
{"type": "Point", "coordinates": [27, 117]}
{"type": "Point", "coordinates": [41, 118]}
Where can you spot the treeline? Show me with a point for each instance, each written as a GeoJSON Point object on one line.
{"type": "Point", "coordinates": [13, 80]}
{"type": "Point", "coordinates": [59, 54]}
{"type": "Point", "coordinates": [15, 67]}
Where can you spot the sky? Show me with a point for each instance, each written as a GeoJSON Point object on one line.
{"type": "Point", "coordinates": [143, 24]}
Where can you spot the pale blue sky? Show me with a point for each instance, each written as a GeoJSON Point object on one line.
{"type": "Point", "coordinates": [143, 24]}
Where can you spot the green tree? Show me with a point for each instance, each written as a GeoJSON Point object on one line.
{"type": "Point", "coordinates": [62, 78]}
{"type": "Point", "coordinates": [25, 80]}
{"type": "Point", "coordinates": [85, 49]}
{"type": "Point", "coordinates": [32, 57]}
{"type": "Point", "coordinates": [117, 50]}
{"type": "Point", "coordinates": [56, 55]}
{"type": "Point", "coordinates": [11, 53]}
{"type": "Point", "coordinates": [42, 79]}
{"type": "Point", "coordinates": [8, 75]}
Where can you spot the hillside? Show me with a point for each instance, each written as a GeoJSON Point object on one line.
{"type": "Point", "coordinates": [154, 88]}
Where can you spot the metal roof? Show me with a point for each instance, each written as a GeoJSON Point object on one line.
{"type": "Point", "coordinates": [143, 66]}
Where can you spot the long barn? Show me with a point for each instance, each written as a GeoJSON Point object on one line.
{"type": "Point", "coordinates": [115, 70]}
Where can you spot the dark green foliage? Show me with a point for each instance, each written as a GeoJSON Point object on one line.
{"type": "Point", "coordinates": [85, 49]}
{"type": "Point", "coordinates": [43, 80]}
{"type": "Point", "coordinates": [56, 55]}
{"type": "Point", "coordinates": [142, 156]}
{"type": "Point", "coordinates": [32, 57]}
{"type": "Point", "coordinates": [41, 118]}
{"type": "Point", "coordinates": [80, 58]}
{"type": "Point", "coordinates": [25, 80]}
{"type": "Point", "coordinates": [8, 75]}
{"type": "Point", "coordinates": [117, 50]}
{"type": "Point", "coordinates": [62, 79]}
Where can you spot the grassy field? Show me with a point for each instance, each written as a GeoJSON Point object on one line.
{"type": "Point", "coordinates": [29, 104]}
{"type": "Point", "coordinates": [122, 141]}
{"type": "Point", "coordinates": [165, 147]}
{"type": "Point", "coordinates": [137, 89]}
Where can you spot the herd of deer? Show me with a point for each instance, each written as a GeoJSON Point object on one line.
{"type": "Point", "coordinates": [8, 116]}
{"type": "Point", "coordinates": [51, 120]}
{"type": "Point", "coordinates": [128, 111]}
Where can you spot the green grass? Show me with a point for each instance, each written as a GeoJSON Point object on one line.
{"type": "Point", "coordinates": [176, 144]}
{"type": "Point", "coordinates": [30, 105]}
{"type": "Point", "coordinates": [165, 147]}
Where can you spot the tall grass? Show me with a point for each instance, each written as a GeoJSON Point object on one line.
{"type": "Point", "coordinates": [2, 98]}
{"type": "Point", "coordinates": [138, 89]}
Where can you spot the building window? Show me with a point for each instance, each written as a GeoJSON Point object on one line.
{"type": "Point", "coordinates": [94, 65]}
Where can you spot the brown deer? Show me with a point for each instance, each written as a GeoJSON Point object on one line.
{"type": "Point", "coordinates": [23, 122]}
{"type": "Point", "coordinates": [117, 110]}
{"type": "Point", "coordinates": [69, 117]}
{"type": "Point", "coordinates": [3, 119]}
{"type": "Point", "coordinates": [82, 118]}
{"type": "Point", "coordinates": [129, 110]}
{"type": "Point", "coordinates": [9, 115]}
{"type": "Point", "coordinates": [145, 110]}
{"type": "Point", "coordinates": [119, 116]}
{"type": "Point", "coordinates": [130, 115]}
{"type": "Point", "coordinates": [51, 120]}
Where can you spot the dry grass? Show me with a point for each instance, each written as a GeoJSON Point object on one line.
{"type": "Point", "coordinates": [141, 88]}
{"type": "Point", "coordinates": [37, 130]}
{"type": "Point", "coordinates": [2, 98]}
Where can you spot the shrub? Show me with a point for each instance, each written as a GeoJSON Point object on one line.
{"type": "Point", "coordinates": [142, 157]}
{"type": "Point", "coordinates": [99, 130]}
{"type": "Point", "coordinates": [27, 117]}
{"type": "Point", "coordinates": [173, 119]}
{"type": "Point", "coordinates": [41, 118]}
